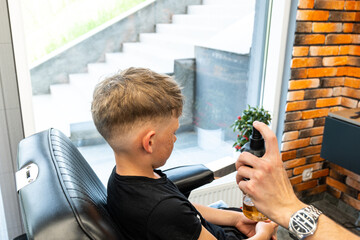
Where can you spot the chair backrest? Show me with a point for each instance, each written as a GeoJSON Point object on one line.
{"type": "Point", "coordinates": [66, 200]}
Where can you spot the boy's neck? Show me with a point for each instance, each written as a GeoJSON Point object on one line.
{"type": "Point", "coordinates": [133, 167]}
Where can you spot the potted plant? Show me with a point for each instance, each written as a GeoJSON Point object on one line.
{"type": "Point", "coordinates": [243, 124]}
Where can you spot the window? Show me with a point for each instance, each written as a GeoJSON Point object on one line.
{"type": "Point", "coordinates": [211, 49]}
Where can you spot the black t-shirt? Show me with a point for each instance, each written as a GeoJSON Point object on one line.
{"type": "Point", "coordinates": [146, 208]}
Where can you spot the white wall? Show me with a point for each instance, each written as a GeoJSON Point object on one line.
{"type": "Point", "coordinates": [11, 130]}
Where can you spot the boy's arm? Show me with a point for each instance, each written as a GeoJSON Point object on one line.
{"type": "Point", "coordinates": [237, 220]}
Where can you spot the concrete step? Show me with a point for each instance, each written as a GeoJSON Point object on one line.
{"type": "Point", "coordinates": [218, 10]}
{"type": "Point", "coordinates": [204, 20]}
{"type": "Point", "coordinates": [159, 51]}
{"type": "Point", "coordinates": [226, 2]}
{"type": "Point", "coordinates": [187, 30]}
{"type": "Point", "coordinates": [126, 60]}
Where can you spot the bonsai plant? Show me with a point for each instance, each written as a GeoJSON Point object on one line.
{"type": "Point", "coordinates": [243, 124]}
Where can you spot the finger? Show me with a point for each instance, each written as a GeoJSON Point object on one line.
{"type": "Point", "coordinates": [246, 158]}
{"type": "Point", "coordinates": [271, 144]}
{"type": "Point", "coordinates": [244, 172]}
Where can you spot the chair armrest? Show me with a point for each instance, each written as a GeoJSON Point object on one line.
{"type": "Point", "coordinates": [188, 178]}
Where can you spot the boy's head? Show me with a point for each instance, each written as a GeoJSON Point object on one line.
{"type": "Point", "coordinates": [132, 98]}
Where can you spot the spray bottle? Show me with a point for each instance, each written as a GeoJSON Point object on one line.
{"type": "Point", "coordinates": [256, 147]}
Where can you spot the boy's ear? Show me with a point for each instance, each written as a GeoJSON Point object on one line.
{"type": "Point", "coordinates": [148, 141]}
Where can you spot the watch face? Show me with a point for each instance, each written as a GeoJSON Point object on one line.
{"type": "Point", "coordinates": [303, 223]}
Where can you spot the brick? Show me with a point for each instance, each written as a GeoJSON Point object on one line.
{"type": "Point", "coordinates": [337, 91]}
{"type": "Point", "coordinates": [303, 84]}
{"type": "Point", "coordinates": [353, 183]}
{"type": "Point", "coordinates": [320, 173]}
{"type": "Point", "coordinates": [309, 39]}
{"type": "Point", "coordinates": [316, 113]}
{"type": "Point", "coordinates": [337, 176]}
{"type": "Point", "coordinates": [306, 62]}
{"type": "Point", "coordinates": [353, 61]}
{"type": "Point", "coordinates": [316, 190]}
{"type": "Point", "coordinates": [332, 82]}
{"type": "Point", "coordinates": [319, 122]}
{"type": "Point", "coordinates": [324, 50]}
{"type": "Point", "coordinates": [308, 151]}
{"type": "Point", "coordinates": [292, 126]}
{"type": "Point", "coordinates": [288, 155]}
{"type": "Point", "coordinates": [353, 72]}
{"type": "Point", "coordinates": [352, 82]}
{"type": "Point", "coordinates": [350, 92]}
{"type": "Point", "coordinates": [317, 93]}
{"type": "Point", "coordinates": [305, 185]}
{"type": "Point", "coordinates": [300, 143]}
{"type": "Point", "coordinates": [322, 72]}
{"type": "Point", "coordinates": [348, 102]}
{"type": "Point", "coordinates": [327, 102]}
{"type": "Point", "coordinates": [316, 140]}
{"type": "Point", "coordinates": [300, 51]}
{"type": "Point", "coordinates": [293, 116]}
{"type": "Point", "coordinates": [295, 95]}
{"type": "Point", "coordinates": [352, 5]}
{"type": "Point", "coordinates": [288, 136]}
{"type": "Point", "coordinates": [338, 39]}
{"type": "Point", "coordinates": [341, 186]}
{"type": "Point", "coordinates": [300, 105]}
{"type": "Point", "coordinates": [344, 171]}
{"type": "Point", "coordinates": [312, 15]}
{"type": "Point", "coordinates": [347, 27]}
{"type": "Point", "coordinates": [314, 159]}
{"type": "Point", "coordinates": [296, 180]}
{"type": "Point", "coordinates": [335, 61]}
{"type": "Point", "coordinates": [342, 71]}
{"type": "Point", "coordinates": [329, 4]}
{"type": "Point", "coordinates": [306, 4]}
{"type": "Point", "coordinates": [321, 27]}
{"type": "Point", "coordinates": [349, 50]}
{"type": "Point", "coordinates": [351, 201]}
{"type": "Point", "coordinates": [303, 27]}
{"type": "Point", "coordinates": [358, 105]}
{"type": "Point", "coordinates": [294, 163]}
{"type": "Point", "coordinates": [338, 16]}
{"type": "Point", "coordinates": [311, 132]}
{"type": "Point", "coordinates": [334, 192]}
{"type": "Point", "coordinates": [359, 196]}
{"type": "Point", "coordinates": [298, 73]}
{"type": "Point", "coordinates": [356, 28]}
{"type": "Point", "coordinates": [289, 173]}
{"type": "Point", "coordinates": [355, 39]}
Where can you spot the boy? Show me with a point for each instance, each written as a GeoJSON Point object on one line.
{"type": "Point", "coordinates": [137, 111]}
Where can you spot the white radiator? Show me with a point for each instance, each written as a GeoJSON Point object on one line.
{"type": "Point", "coordinates": [228, 192]}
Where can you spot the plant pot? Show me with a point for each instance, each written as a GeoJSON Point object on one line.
{"type": "Point", "coordinates": [209, 139]}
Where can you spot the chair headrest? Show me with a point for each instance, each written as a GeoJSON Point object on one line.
{"type": "Point", "coordinates": [66, 200]}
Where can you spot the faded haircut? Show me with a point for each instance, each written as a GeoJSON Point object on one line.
{"type": "Point", "coordinates": [133, 96]}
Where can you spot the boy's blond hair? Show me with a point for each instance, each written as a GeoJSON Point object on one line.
{"type": "Point", "coordinates": [133, 96]}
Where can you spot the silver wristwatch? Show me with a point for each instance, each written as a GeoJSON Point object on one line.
{"type": "Point", "coordinates": [303, 223]}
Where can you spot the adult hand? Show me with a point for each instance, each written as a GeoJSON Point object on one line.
{"type": "Point", "coordinates": [268, 184]}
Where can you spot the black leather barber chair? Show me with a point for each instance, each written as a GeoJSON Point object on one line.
{"type": "Point", "coordinates": [62, 198]}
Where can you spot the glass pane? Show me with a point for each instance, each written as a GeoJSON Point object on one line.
{"type": "Point", "coordinates": [207, 46]}
{"type": "Point", "coordinates": [3, 228]}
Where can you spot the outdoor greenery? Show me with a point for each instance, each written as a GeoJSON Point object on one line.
{"type": "Point", "coordinates": [50, 24]}
{"type": "Point", "coordinates": [244, 124]}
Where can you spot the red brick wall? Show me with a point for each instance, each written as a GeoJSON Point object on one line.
{"type": "Point", "coordinates": [325, 77]}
